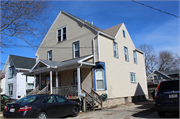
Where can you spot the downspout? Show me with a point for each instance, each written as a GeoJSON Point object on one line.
{"type": "Point", "coordinates": [94, 47]}
{"type": "Point", "coordinates": [99, 56]}
{"type": "Point", "coordinates": [79, 83]}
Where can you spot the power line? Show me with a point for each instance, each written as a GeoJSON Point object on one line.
{"type": "Point", "coordinates": [156, 9]}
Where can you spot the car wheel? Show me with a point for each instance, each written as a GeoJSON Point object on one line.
{"type": "Point", "coordinates": [161, 114]}
{"type": "Point", "coordinates": [75, 111]}
{"type": "Point", "coordinates": [42, 115]}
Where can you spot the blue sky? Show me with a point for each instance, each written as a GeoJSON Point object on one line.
{"type": "Point", "coordinates": [144, 25]}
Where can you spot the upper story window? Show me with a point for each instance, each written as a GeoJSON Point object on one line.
{"type": "Point", "coordinates": [62, 34]}
{"type": "Point", "coordinates": [115, 47]}
{"type": "Point", "coordinates": [126, 54]}
{"type": "Point", "coordinates": [133, 77]}
{"type": "Point", "coordinates": [49, 55]}
{"type": "Point", "coordinates": [135, 56]}
{"type": "Point", "coordinates": [76, 49]}
{"type": "Point", "coordinates": [124, 35]}
{"type": "Point", "coordinates": [11, 72]}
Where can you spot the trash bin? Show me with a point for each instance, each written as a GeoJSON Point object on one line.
{"type": "Point", "coordinates": [104, 96]}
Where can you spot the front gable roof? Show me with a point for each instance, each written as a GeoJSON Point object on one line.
{"type": "Point", "coordinates": [160, 73]}
{"type": "Point", "coordinates": [113, 30]}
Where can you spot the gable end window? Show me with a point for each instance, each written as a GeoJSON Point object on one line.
{"type": "Point", "coordinates": [11, 72]}
{"type": "Point", "coordinates": [115, 47]}
{"type": "Point", "coordinates": [62, 34]}
{"type": "Point", "coordinates": [126, 54]}
{"type": "Point", "coordinates": [133, 77]}
{"type": "Point", "coordinates": [49, 55]}
{"type": "Point", "coordinates": [76, 49]}
{"type": "Point", "coordinates": [135, 56]}
{"type": "Point", "coordinates": [124, 35]}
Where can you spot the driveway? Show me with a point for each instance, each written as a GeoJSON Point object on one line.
{"type": "Point", "coordinates": [127, 111]}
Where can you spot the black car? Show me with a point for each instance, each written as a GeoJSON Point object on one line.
{"type": "Point", "coordinates": [41, 106]}
{"type": "Point", "coordinates": [167, 97]}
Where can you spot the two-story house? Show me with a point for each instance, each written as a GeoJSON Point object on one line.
{"type": "Point", "coordinates": [77, 55]}
{"type": "Point", "coordinates": [18, 85]}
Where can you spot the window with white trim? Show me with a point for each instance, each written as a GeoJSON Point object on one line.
{"type": "Point", "coordinates": [10, 89]}
{"type": "Point", "coordinates": [126, 53]}
{"type": "Point", "coordinates": [135, 56]}
{"type": "Point", "coordinates": [133, 77]}
{"type": "Point", "coordinates": [11, 72]}
{"type": "Point", "coordinates": [124, 35]}
{"type": "Point", "coordinates": [76, 49]}
{"type": "Point", "coordinates": [62, 34]}
{"type": "Point", "coordinates": [115, 47]}
{"type": "Point", "coordinates": [30, 85]}
{"type": "Point", "coordinates": [99, 79]}
{"type": "Point", "coordinates": [49, 55]}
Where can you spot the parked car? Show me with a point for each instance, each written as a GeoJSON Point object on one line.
{"type": "Point", "coordinates": [7, 98]}
{"type": "Point", "coordinates": [41, 106]}
{"type": "Point", "coordinates": [167, 97]}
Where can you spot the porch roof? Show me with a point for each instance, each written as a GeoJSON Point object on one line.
{"type": "Point", "coordinates": [73, 63]}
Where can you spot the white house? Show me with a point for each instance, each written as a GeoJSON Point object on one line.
{"type": "Point", "coordinates": [16, 84]}
{"type": "Point", "coordinates": [2, 82]}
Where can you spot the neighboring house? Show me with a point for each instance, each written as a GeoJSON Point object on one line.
{"type": "Point", "coordinates": [174, 74]}
{"type": "Point", "coordinates": [81, 56]}
{"type": "Point", "coordinates": [2, 82]}
{"type": "Point", "coordinates": [17, 84]}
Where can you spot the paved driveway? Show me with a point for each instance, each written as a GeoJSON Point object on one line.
{"type": "Point", "coordinates": [126, 111]}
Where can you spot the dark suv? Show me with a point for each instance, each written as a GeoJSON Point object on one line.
{"type": "Point", "coordinates": [167, 97]}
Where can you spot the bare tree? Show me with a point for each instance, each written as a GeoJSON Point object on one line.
{"type": "Point", "coordinates": [166, 61]}
{"type": "Point", "coordinates": [18, 19]}
{"type": "Point", "coordinates": [150, 58]}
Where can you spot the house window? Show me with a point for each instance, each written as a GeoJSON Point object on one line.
{"type": "Point", "coordinates": [49, 55]}
{"type": "Point", "coordinates": [75, 78]}
{"type": "Point", "coordinates": [124, 35]}
{"type": "Point", "coordinates": [133, 77]}
{"type": "Point", "coordinates": [10, 89]}
{"type": "Point", "coordinates": [99, 79]}
{"type": "Point", "coordinates": [11, 72]}
{"type": "Point", "coordinates": [115, 49]}
{"type": "Point", "coordinates": [30, 85]}
{"type": "Point", "coordinates": [76, 49]}
{"type": "Point", "coordinates": [155, 77]}
{"type": "Point", "coordinates": [62, 34]}
{"type": "Point", "coordinates": [135, 56]}
{"type": "Point", "coordinates": [126, 53]}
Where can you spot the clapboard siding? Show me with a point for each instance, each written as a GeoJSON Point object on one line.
{"type": "Point", "coordinates": [61, 51]}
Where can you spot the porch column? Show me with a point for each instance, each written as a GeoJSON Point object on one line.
{"type": "Point", "coordinates": [51, 81]}
{"type": "Point", "coordinates": [57, 79]}
{"type": "Point", "coordinates": [40, 81]}
{"type": "Point", "coordinates": [34, 81]}
{"type": "Point", "coordinates": [79, 80]}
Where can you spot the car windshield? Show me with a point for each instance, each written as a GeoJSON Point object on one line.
{"type": "Point", "coordinates": [28, 99]}
{"type": "Point", "coordinates": [169, 85]}
{"type": "Point", "coordinates": [6, 97]}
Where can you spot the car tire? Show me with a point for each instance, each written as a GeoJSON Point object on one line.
{"type": "Point", "coordinates": [42, 115]}
{"type": "Point", "coordinates": [75, 111]}
{"type": "Point", "coordinates": [161, 114]}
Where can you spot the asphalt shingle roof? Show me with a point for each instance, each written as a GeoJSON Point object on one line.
{"type": "Point", "coordinates": [171, 72]}
{"type": "Point", "coordinates": [23, 62]}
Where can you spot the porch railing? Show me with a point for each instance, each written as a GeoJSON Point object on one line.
{"type": "Point", "coordinates": [44, 90]}
{"type": "Point", "coordinates": [66, 91]}
{"type": "Point", "coordinates": [34, 91]}
{"type": "Point", "coordinates": [97, 97]}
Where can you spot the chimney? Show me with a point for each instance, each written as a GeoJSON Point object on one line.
{"type": "Point", "coordinates": [92, 23]}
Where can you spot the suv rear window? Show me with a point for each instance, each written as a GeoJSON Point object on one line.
{"type": "Point", "coordinates": [169, 85]}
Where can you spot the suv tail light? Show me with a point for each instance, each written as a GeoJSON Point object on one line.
{"type": "Point", "coordinates": [157, 90]}
{"type": "Point", "coordinates": [5, 108]}
{"type": "Point", "coordinates": [22, 109]}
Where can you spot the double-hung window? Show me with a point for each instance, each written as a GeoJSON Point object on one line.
{"type": "Point", "coordinates": [10, 89]}
{"type": "Point", "coordinates": [135, 56]}
{"type": "Point", "coordinates": [133, 77]}
{"type": "Point", "coordinates": [62, 32]}
{"type": "Point", "coordinates": [76, 49]}
{"type": "Point", "coordinates": [49, 55]}
{"type": "Point", "coordinates": [126, 54]}
{"type": "Point", "coordinates": [99, 79]}
{"type": "Point", "coordinates": [115, 47]}
{"type": "Point", "coordinates": [11, 72]}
